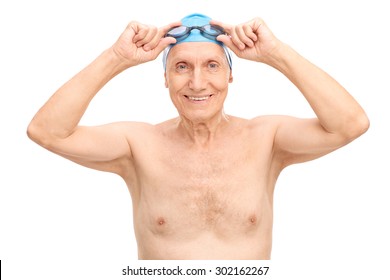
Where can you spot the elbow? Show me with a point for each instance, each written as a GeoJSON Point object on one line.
{"type": "Point", "coordinates": [364, 124]}
{"type": "Point", "coordinates": [357, 126]}
{"type": "Point", "coordinates": [32, 132]}
{"type": "Point", "coordinates": [38, 135]}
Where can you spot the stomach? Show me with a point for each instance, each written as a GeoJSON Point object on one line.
{"type": "Point", "coordinates": [205, 246]}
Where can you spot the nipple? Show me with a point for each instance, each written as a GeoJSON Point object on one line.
{"type": "Point", "coordinates": [160, 221]}
{"type": "Point", "coordinates": [253, 219]}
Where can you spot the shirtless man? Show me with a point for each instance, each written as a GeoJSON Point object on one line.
{"type": "Point", "coordinates": [201, 184]}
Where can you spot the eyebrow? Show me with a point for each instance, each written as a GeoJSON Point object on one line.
{"type": "Point", "coordinates": [180, 58]}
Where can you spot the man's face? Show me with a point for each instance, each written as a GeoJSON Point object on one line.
{"type": "Point", "coordinates": [197, 75]}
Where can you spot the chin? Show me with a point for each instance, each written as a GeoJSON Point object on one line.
{"type": "Point", "coordinates": [200, 116]}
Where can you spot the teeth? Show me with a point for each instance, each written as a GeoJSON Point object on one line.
{"type": "Point", "coordinates": [198, 98]}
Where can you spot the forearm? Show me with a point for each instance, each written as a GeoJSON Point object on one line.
{"type": "Point", "coordinates": [336, 109]}
{"type": "Point", "coordinates": [63, 111]}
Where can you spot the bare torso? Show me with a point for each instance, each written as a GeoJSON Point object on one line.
{"type": "Point", "coordinates": [213, 202]}
{"type": "Point", "coordinates": [202, 188]}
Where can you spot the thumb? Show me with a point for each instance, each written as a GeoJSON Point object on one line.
{"type": "Point", "coordinates": [228, 42]}
{"type": "Point", "coordinates": [164, 42]}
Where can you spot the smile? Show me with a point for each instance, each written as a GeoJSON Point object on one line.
{"type": "Point", "coordinates": [198, 98]}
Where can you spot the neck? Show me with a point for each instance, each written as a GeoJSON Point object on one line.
{"type": "Point", "coordinates": [202, 133]}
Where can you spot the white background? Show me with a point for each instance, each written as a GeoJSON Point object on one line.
{"type": "Point", "coordinates": [62, 221]}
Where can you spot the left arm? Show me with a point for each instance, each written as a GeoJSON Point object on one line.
{"type": "Point", "coordinates": [340, 119]}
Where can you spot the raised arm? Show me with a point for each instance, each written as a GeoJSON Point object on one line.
{"type": "Point", "coordinates": [340, 119]}
{"type": "Point", "coordinates": [55, 126]}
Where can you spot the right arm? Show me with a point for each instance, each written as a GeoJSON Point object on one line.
{"type": "Point", "coordinates": [55, 126]}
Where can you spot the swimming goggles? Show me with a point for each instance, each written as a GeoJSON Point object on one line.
{"type": "Point", "coordinates": [208, 31]}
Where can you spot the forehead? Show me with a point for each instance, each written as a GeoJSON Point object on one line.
{"type": "Point", "coordinates": [196, 50]}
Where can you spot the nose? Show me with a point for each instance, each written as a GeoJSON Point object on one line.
{"type": "Point", "coordinates": [198, 81]}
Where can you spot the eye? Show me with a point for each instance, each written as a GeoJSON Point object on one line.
{"type": "Point", "coordinates": [213, 65]}
{"type": "Point", "coordinates": [181, 67]}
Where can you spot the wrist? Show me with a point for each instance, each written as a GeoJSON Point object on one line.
{"type": "Point", "coordinates": [281, 57]}
{"type": "Point", "coordinates": [117, 62]}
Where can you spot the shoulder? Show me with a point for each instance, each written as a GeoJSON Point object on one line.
{"type": "Point", "coordinates": [267, 124]}
{"type": "Point", "coordinates": [272, 123]}
{"type": "Point", "coordinates": [144, 133]}
{"type": "Point", "coordinates": [256, 130]}
{"type": "Point", "coordinates": [134, 132]}
{"type": "Point", "coordinates": [265, 129]}
{"type": "Point", "coordinates": [131, 128]}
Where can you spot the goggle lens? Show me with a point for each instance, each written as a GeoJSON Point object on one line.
{"type": "Point", "coordinates": [177, 31]}
{"type": "Point", "coordinates": [213, 30]}
{"type": "Point", "coordinates": [208, 31]}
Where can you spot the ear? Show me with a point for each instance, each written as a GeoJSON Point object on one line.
{"type": "Point", "coordinates": [166, 81]}
{"type": "Point", "coordinates": [231, 77]}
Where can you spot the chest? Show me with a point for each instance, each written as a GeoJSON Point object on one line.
{"type": "Point", "coordinates": [186, 192]}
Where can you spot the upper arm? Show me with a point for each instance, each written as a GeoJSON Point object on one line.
{"type": "Point", "coordinates": [106, 147]}
{"type": "Point", "coordinates": [298, 140]}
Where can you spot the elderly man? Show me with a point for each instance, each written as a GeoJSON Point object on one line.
{"type": "Point", "coordinates": [201, 184]}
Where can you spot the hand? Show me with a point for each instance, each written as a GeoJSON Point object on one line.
{"type": "Point", "coordinates": [252, 40]}
{"type": "Point", "coordinates": [141, 43]}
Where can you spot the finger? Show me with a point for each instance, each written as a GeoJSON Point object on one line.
{"type": "Point", "coordinates": [226, 27]}
{"type": "Point", "coordinates": [131, 30]}
{"type": "Point", "coordinates": [162, 44]}
{"type": "Point", "coordinates": [141, 31]}
{"type": "Point", "coordinates": [159, 35]}
{"type": "Point", "coordinates": [236, 40]}
{"type": "Point", "coordinates": [230, 30]}
{"type": "Point", "coordinates": [166, 28]}
{"type": "Point", "coordinates": [149, 36]}
{"type": "Point", "coordinates": [249, 32]}
{"type": "Point", "coordinates": [243, 37]}
{"type": "Point", "coordinates": [256, 23]}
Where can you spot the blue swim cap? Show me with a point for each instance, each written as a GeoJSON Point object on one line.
{"type": "Point", "coordinates": [196, 36]}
